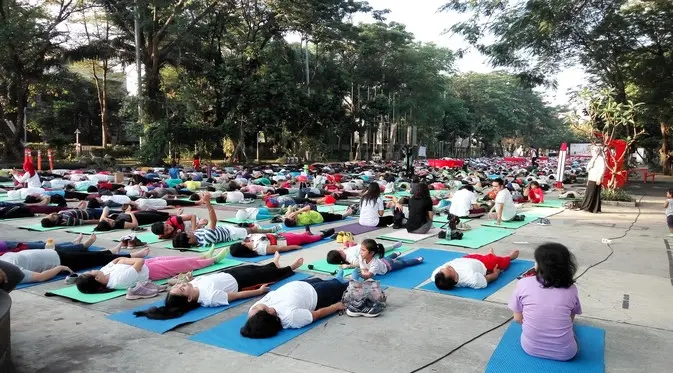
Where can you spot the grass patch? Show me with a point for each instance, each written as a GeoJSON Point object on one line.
{"type": "Point", "coordinates": [618, 195]}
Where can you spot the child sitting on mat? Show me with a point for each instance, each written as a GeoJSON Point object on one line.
{"type": "Point", "coordinates": [220, 289]}
{"type": "Point", "coordinates": [370, 266]}
{"type": "Point", "coordinates": [214, 234]}
{"type": "Point", "coordinates": [260, 244]}
{"type": "Point", "coordinates": [547, 303]}
{"type": "Point", "coordinates": [474, 271]}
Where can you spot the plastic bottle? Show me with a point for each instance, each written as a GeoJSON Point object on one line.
{"type": "Point", "coordinates": [50, 244]}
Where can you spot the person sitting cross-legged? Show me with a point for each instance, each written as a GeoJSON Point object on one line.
{"type": "Point", "coordinates": [474, 270]}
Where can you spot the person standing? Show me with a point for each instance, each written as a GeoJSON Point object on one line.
{"type": "Point", "coordinates": [595, 170]}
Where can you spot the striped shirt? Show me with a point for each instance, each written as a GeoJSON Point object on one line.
{"type": "Point", "coordinates": [70, 218]}
{"type": "Point", "coordinates": [207, 236]}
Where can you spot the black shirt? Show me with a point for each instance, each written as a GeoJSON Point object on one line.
{"type": "Point", "coordinates": [418, 213]}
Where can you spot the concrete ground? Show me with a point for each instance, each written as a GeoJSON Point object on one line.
{"type": "Point", "coordinates": [55, 335]}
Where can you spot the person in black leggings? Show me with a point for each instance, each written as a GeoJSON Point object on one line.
{"type": "Point", "coordinates": [129, 220]}
{"type": "Point", "coordinates": [220, 289]}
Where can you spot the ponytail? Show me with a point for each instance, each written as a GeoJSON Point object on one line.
{"type": "Point", "coordinates": [380, 250]}
{"type": "Point", "coordinates": [374, 247]}
{"type": "Point", "coordinates": [175, 306]}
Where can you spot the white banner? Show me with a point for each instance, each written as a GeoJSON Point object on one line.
{"type": "Point", "coordinates": [580, 149]}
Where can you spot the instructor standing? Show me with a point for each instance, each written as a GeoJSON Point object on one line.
{"type": "Point", "coordinates": [595, 170]}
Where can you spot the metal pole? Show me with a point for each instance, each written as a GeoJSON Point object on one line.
{"type": "Point", "coordinates": [308, 73]}
{"type": "Point", "coordinates": [139, 92]}
{"type": "Point", "coordinates": [257, 147]}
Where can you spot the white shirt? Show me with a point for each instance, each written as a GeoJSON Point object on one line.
{"type": "Point", "coordinates": [235, 197]}
{"type": "Point", "coordinates": [462, 202]}
{"type": "Point", "coordinates": [237, 233]}
{"type": "Point", "coordinates": [293, 303]}
{"type": "Point", "coordinates": [149, 204]}
{"type": "Point", "coordinates": [596, 169]}
{"type": "Point", "coordinates": [59, 183]}
{"type": "Point", "coordinates": [353, 255]}
{"type": "Point", "coordinates": [13, 195]}
{"type": "Point", "coordinates": [213, 289]}
{"type": "Point", "coordinates": [375, 266]}
{"type": "Point", "coordinates": [32, 261]}
{"type": "Point", "coordinates": [504, 197]}
{"type": "Point", "coordinates": [369, 212]}
{"type": "Point", "coordinates": [471, 272]}
{"type": "Point", "coordinates": [259, 243]}
{"type": "Point", "coordinates": [31, 181]}
{"type": "Point", "coordinates": [84, 185]}
{"type": "Point", "coordinates": [116, 198]}
{"type": "Point", "coordinates": [123, 276]}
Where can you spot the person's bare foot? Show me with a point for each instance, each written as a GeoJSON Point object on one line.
{"type": "Point", "coordinates": [117, 249]}
{"type": "Point", "coordinates": [276, 259]}
{"type": "Point", "coordinates": [141, 253]}
{"type": "Point", "coordinates": [90, 241]}
{"type": "Point", "coordinates": [490, 250]}
{"type": "Point", "coordinates": [348, 212]}
{"type": "Point", "coordinates": [297, 263]}
{"type": "Point", "coordinates": [78, 240]}
{"type": "Point", "coordinates": [514, 254]}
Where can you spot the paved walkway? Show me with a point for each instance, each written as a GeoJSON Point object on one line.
{"type": "Point", "coordinates": [55, 335]}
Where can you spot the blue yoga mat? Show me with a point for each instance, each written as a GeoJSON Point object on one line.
{"type": "Point", "coordinates": [227, 335]}
{"type": "Point", "coordinates": [509, 357]}
{"type": "Point", "coordinates": [163, 326]}
{"type": "Point", "coordinates": [257, 259]}
{"type": "Point", "coordinates": [58, 277]}
{"type": "Point", "coordinates": [516, 268]}
{"type": "Point", "coordinates": [410, 277]}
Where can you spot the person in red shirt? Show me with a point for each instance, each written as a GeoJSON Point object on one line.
{"type": "Point", "coordinates": [535, 193]}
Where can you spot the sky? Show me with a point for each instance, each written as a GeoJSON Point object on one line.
{"type": "Point", "coordinates": [428, 25]}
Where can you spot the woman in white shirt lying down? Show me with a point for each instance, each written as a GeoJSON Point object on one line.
{"type": "Point", "coordinates": [219, 289]}
{"type": "Point", "coordinates": [123, 273]}
{"type": "Point", "coordinates": [295, 305]}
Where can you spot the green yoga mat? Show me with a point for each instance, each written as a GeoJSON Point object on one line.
{"type": "Point", "coordinates": [321, 266]}
{"type": "Point", "coordinates": [555, 203]}
{"type": "Point", "coordinates": [328, 208]}
{"type": "Point", "coordinates": [445, 219]}
{"type": "Point", "coordinates": [478, 237]}
{"type": "Point", "coordinates": [89, 229]}
{"type": "Point", "coordinates": [530, 216]}
{"type": "Point", "coordinates": [202, 249]}
{"type": "Point", "coordinates": [74, 294]}
{"type": "Point", "coordinates": [39, 228]}
{"type": "Point", "coordinates": [147, 237]}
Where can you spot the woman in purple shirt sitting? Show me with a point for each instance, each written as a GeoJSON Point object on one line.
{"type": "Point", "coordinates": [546, 304]}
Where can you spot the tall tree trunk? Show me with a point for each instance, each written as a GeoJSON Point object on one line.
{"type": "Point", "coordinates": [664, 155]}
{"type": "Point", "coordinates": [392, 140]}
{"type": "Point", "coordinates": [153, 90]}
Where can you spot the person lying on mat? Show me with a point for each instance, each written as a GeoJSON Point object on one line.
{"type": "Point", "coordinates": [287, 201]}
{"type": "Point", "coordinates": [10, 210]}
{"type": "Point", "coordinates": [346, 257]}
{"type": "Point", "coordinates": [261, 244]}
{"type": "Point", "coordinates": [295, 305]}
{"type": "Point", "coordinates": [546, 304]}
{"type": "Point", "coordinates": [464, 203]}
{"type": "Point", "coordinates": [234, 197]}
{"type": "Point", "coordinates": [214, 234]}
{"type": "Point", "coordinates": [369, 266]}
{"type": "Point", "coordinates": [123, 273]}
{"type": "Point", "coordinates": [177, 223]}
{"type": "Point", "coordinates": [220, 289]}
{"type": "Point", "coordinates": [474, 271]}
{"type": "Point", "coordinates": [504, 209]}
{"type": "Point", "coordinates": [130, 219]}
{"type": "Point", "coordinates": [6, 246]}
{"type": "Point", "coordinates": [308, 215]}
{"type": "Point", "coordinates": [72, 218]}
{"type": "Point", "coordinates": [43, 265]}
{"type": "Point", "coordinates": [153, 204]}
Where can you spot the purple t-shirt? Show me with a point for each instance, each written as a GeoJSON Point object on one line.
{"type": "Point", "coordinates": [547, 327]}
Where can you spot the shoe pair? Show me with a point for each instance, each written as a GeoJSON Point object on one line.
{"type": "Point", "coordinates": [144, 289]}
{"type": "Point", "coordinates": [364, 309]}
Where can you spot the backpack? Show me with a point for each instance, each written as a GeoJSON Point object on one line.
{"type": "Point", "coordinates": [364, 292]}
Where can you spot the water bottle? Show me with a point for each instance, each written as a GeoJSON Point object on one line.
{"type": "Point", "coordinates": [50, 244]}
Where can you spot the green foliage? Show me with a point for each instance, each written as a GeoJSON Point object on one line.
{"type": "Point", "coordinates": [619, 195]}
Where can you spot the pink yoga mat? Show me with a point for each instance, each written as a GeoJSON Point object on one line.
{"type": "Point", "coordinates": [356, 228]}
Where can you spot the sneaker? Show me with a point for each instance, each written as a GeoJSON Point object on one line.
{"type": "Point", "coordinates": [396, 245]}
{"type": "Point", "coordinates": [340, 237]}
{"type": "Point", "coordinates": [327, 232]}
{"type": "Point", "coordinates": [355, 208]}
{"type": "Point", "coordinates": [543, 221]}
{"type": "Point", "coordinates": [365, 311]}
{"type": "Point", "coordinates": [277, 219]}
{"type": "Point", "coordinates": [143, 290]}
{"type": "Point", "coordinates": [276, 228]}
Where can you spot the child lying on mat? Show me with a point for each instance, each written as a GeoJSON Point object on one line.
{"type": "Point", "coordinates": [295, 305]}
{"type": "Point", "coordinates": [546, 304]}
{"type": "Point", "coordinates": [72, 218]}
{"type": "Point", "coordinates": [220, 289]}
{"type": "Point", "coordinates": [129, 219]}
{"type": "Point", "coordinates": [123, 273]}
{"type": "Point", "coordinates": [260, 244]}
{"type": "Point", "coordinates": [474, 271]}
{"type": "Point", "coordinates": [308, 215]}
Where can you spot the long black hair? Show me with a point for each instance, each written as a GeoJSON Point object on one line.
{"type": "Point", "coordinates": [372, 194]}
{"type": "Point", "coordinates": [262, 325]}
{"type": "Point", "coordinates": [421, 191]}
{"type": "Point", "coordinates": [334, 257]}
{"type": "Point", "coordinates": [174, 306]}
{"type": "Point", "coordinates": [374, 247]}
{"type": "Point", "coordinates": [87, 284]}
{"type": "Point", "coordinates": [181, 240]}
{"type": "Point", "coordinates": [556, 265]}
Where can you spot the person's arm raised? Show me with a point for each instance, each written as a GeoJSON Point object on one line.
{"type": "Point", "coordinates": [212, 217]}
{"type": "Point", "coordinates": [326, 311]}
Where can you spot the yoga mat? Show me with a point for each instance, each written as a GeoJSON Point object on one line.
{"type": "Point", "coordinates": [445, 218]}
{"type": "Point", "coordinates": [555, 203]}
{"type": "Point", "coordinates": [39, 228]}
{"type": "Point", "coordinates": [257, 259]}
{"type": "Point", "coordinates": [163, 326]}
{"type": "Point", "coordinates": [329, 208]}
{"type": "Point", "coordinates": [516, 268]}
{"type": "Point", "coordinates": [286, 228]}
{"type": "Point", "coordinates": [478, 237]}
{"type": "Point", "coordinates": [201, 249]}
{"type": "Point", "coordinates": [410, 277]}
{"type": "Point", "coordinates": [530, 216]}
{"type": "Point", "coordinates": [356, 228]}
{"type": "Point", "coordinates": [89, 229]}
{"type": "Point", "coordinates": [74, 294]}
{"type": "Point", "coordinates": [147, 237]}
{"type": "Point", "coordinates": [59, 277]}
{"type": "Point", "coordinates": [403, 236]}
{"type": "Point", "coordinates": [227, 335]}
{"type": "Point", "coordinates": [321, 266]}
{"type": "Point", "coordinates": [509, 357]}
